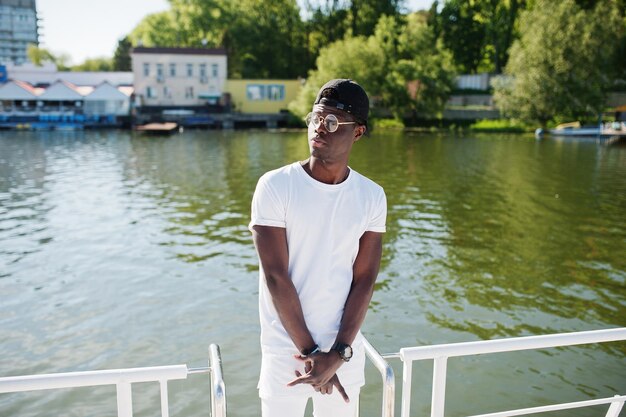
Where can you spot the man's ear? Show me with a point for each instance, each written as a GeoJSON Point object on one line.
{"type": "Point", "coordinates": [359, 132]}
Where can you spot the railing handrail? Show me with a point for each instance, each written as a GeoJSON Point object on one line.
{"type": "Point", "coordinates": [512, 344]}
{"type": "Point", "coordinates": [123, 378]}
{"type": "Point", "coordinates": [440, 354]}
{"type": "Point", "coordinates": [617, 399]}
{"type": "Point", "coordinates": [91, 378]}
{"type": "Point", "coordinates": [389, 382]}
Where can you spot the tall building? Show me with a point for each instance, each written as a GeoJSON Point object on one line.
{"type": "Point", "coordinates": [18, 28]}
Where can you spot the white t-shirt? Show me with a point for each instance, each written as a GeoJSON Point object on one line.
{"type": "Point", "coordinates": [323, 223]}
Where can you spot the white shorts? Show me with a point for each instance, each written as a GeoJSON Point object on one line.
{"type": "Point", "coordinates": [324, 405]}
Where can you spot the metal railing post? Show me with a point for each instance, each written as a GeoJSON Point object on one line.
{"type": "Point", "coordinates": [165, 407]}
{"type": "Point", "coordinates": [389, 382]}
{"type": "Point", "coordinates": [124, 400]}
{"type": "Point", "coordinates": [407, 375]}
{"type": "Point", "coordinates": [438, 402]}
{"type": "Point", "coordinates": [615, 408]}
{"type": "Point", "coordinates": [218, 389]}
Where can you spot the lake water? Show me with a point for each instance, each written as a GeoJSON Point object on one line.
{"type": "Point", "coordinates": [119, 250]}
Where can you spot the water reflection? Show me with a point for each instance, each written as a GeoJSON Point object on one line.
{"type": "Point", "coordinates": [511, 227]}
{"type": "Point", "coordinates": [124, 250]}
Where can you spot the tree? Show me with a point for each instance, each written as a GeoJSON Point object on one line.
{"type": "Point", "coordinates": [358, 58]}
{"type": "Point", "coordinates": [479, 32]}
{"type": "Point", "coordinates": [498, 18]}
{"type": "Point", "coordinates": [94, 64]}
{"type": "Point", "coordinates": [156, 29]}
{"type": "Point", "coordinates": [421, 72]}
{"type": "Point", "coordinates": [560, 67]}
{"type": "Point", "coordinates": [463, 33]}
{"type": "Point", "coordinates": [401, 66]}
{"type": "Point", "coordinates": [38, 56]}
{"type": "Point", "coordinates": [263, 38]}
{"type": "Point", "coordinates": [121, 58]}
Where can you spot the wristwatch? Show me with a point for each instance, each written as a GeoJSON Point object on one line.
{"type": "Point", "coordinates": [308, 352]}
{"type": "Point", "coordinates": [344, 350]}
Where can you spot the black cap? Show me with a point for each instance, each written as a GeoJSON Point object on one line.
{"type": "Point", "coordinates": [346, 95]}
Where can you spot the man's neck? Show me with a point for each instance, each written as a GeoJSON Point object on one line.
{"type": "Point", "coordinates": [326, 172]}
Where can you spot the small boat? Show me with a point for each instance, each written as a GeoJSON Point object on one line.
{"type": "Point", "coordinates": [608, 133]}
{"type": "Point", "coordinates": [157, 128]}
{"type": "Point", "coordinates": [576, 130]}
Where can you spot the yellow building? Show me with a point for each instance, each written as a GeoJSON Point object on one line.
{"type": "Point", "coordinates": [261, 96]}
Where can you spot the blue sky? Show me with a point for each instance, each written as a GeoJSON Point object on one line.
{"type": "Point", "coordinates": [91, 28]}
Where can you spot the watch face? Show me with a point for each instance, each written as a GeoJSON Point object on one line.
{"type": "Point", "coordinates": [347, 352]}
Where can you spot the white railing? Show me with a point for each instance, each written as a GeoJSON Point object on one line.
{"type": "Point", "coordinates": [123, 378]}
{"type": "Point", "coordinates": [389, 382]}
{"type": "Point", "coordinates": [440, 354]}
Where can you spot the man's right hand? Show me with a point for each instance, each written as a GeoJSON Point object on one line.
{"type": "Point", "coordinates": [327, 388]}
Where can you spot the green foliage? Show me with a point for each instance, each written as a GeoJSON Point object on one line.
{"type": "Point", "coordinates": [500, 125]}
{"type": "Point", "coordinates": [95, 64]}
{"type": "Point", "coordinates": [388, 124]}
{"type": "Point", "coordinates": [462, 33]}
{"type": "Point", "coordinates": [39, 56]}
{"type": "Point", "coordinates": [358, 58]}
{"type": "Point", "coordinates": [401, 67]}
{"type": "Point", "coordinates": [157, 29]}
{"type": "Point", "coordinates": [479, 32]}
{"type": "Point", "coordinates": [559, 65]}
{"type": "Point", "coordinates": [121, 58]}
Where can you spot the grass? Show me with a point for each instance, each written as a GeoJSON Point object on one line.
{"type": "Point", "coordinates": [388, 124]}
{"type": "Point", "coordinates": [500, 125]}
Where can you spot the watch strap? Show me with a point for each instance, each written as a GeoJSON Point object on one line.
{"type": "Point", "coordinates": [308, 352]}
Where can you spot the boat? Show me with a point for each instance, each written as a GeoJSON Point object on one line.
{"type": "Point", "coordinates": [608, 130]}
{"type": "Point", "coordinates": [157, 128]}
{"type": "Point", "coordinates": [439, 354]}
{"type": "Point", "coordinates": [574, 129]}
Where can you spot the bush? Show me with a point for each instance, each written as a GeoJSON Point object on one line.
{"type": "Point", "coordinates": [388, 124]}
{"type": "Point", "coordinates": [500, 125]}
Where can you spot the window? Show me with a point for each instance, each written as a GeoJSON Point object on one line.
{"type": "Point", "coordinates": [167, 93]}
{"type": "Point", "coordinates": [146, 69]}
{"type": "Point", "coordinates": [202, 70]}
{"type": "Point", "coordinates": [172, 70]}
{"type": "Point", "coordinates": [276, 92]}
{"type": "Point", "coordinates": [189, 70]}
{"type": "Point", "coordinates": [150, 92]}
{"type": "Point", "coordinates": [255, 92]}
{"type": "Point", "coordinates": [214, 70]}
{"type": "Point", "coordinates": [188, 92]}
{"type": "Point", "coordinates": [159, 70]}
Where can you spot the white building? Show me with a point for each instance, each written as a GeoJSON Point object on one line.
{"type": "Point", "coordinates": [18, 28]}
{"type": "Point", "coordinates": [63, 103]}
{"type": "Point", "coordinates": [105, 99]}
{"type": "Point", "coordinates": [178, 77]}
{"type": "Point", "coordinates": [48, 74]}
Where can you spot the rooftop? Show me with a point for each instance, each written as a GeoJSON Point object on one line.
{"type": "Point", "coordinates": [179, 51]}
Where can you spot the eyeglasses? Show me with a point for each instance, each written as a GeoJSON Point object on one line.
{"type": "Point", "coordinates": [331, 123]}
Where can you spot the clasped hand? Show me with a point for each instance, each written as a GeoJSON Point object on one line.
{"type": "Point", "coordinates": [320, 371]}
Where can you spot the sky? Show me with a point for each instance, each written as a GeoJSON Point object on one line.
{"type": "Point", "coordinates": [91, 28]}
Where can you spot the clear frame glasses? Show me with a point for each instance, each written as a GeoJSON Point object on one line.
{"type": "Point", "coordinates": [331, 123]}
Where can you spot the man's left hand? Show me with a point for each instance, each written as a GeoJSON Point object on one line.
{"type": "Point", "coordinates": [319, 369]}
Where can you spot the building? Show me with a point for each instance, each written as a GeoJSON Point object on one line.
{"type": "Point", "coordinates": [18, 28]}
{"type": "Point", "coordinates": [262, 96]}
{"type": "Point", "coordinates": [191, 79]}
{"type": "Point", "coordinates": [63, 105]}
{"type": "Point", "coordinates": [47, 74]}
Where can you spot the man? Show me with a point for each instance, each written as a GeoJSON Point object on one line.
{"type": "Point", "coordinates": [317, 227]}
